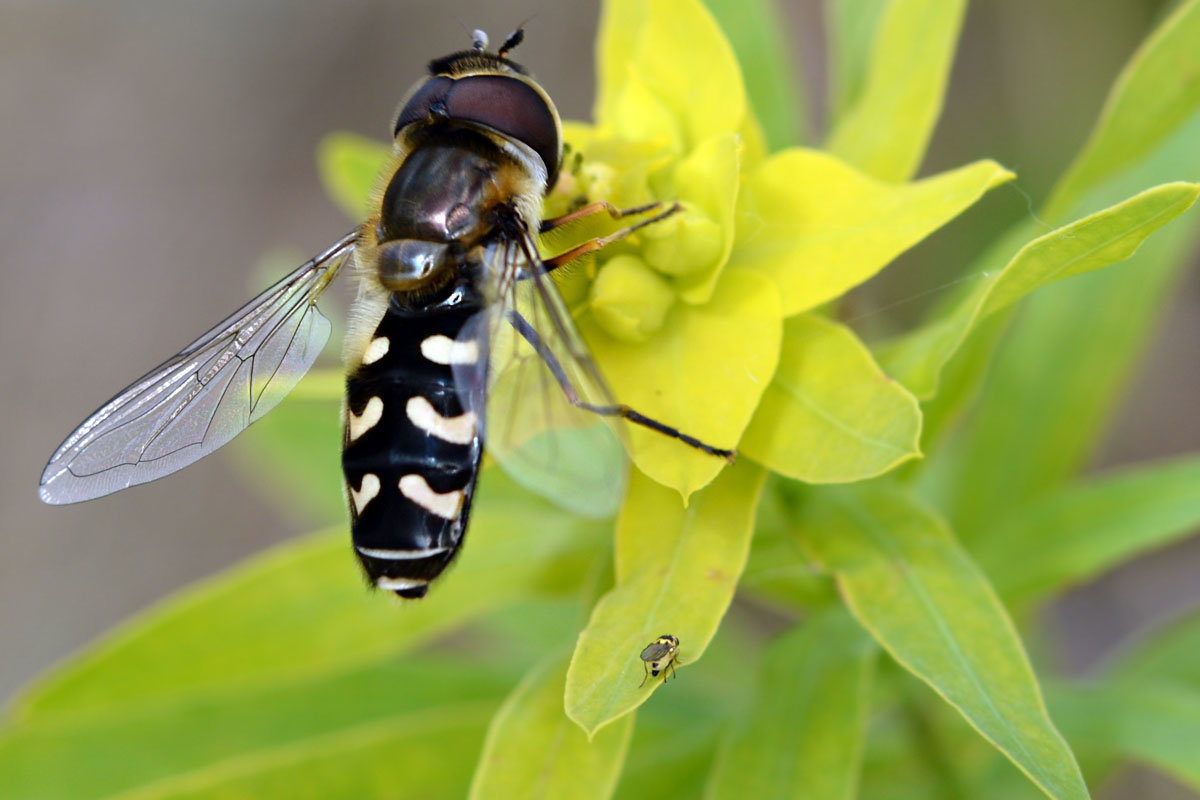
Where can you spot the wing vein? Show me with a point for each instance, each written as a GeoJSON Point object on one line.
{"type": "Point", "coordinates": [183, 409]}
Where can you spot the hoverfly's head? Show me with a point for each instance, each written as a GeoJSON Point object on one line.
{"type": "Point", "coordinates": [488, 90]}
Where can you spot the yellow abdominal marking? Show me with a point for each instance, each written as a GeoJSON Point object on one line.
{"type": "Point", "coordinates": [456, 430]}
{"type": "Point", "coordinates": [444, 350]}
{"type": "Point", "coordinates": [417, 489]}
{"type": "Point", "coordinates": [376, 350]}
{"type": "Point", "coordinates": [371, 415]}
{"type": "Point", "coordinates": [370, 488]}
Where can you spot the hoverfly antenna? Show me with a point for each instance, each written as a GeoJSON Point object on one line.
{"type": "Point", "coordinates": [479, 40]}
{"type": "Point", "coordinates": [514, 39]}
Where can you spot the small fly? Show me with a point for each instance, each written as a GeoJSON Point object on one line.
{"type": "Point", "coordinates": [457, 336]}
{"type": "Point", "coordinates": [659, 656]}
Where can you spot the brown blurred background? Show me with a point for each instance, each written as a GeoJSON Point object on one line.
{"type": "Point", "coordinates": [151, 153]}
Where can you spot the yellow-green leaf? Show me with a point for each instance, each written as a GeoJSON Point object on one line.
{"type": "Point", "coordinates": [1169, 654]}
{"type": "Point", "coordinates": [778, 570]}
{"type": "Point", "coordinates": [301, 608]}
{"type": "Point", "coordinates": [671, 42]}
{"type": "Point", "coordinates": [909, 583]}
{"type": "Point", "coordinates": [1156, 93]}
{"type": "Point", "coordinates": [702, 373]}
{"type": "Point", "coordinates": [231, 735]}
{"type": "Point", "coordinates": [534, 751]}
{"type": "Point", "coordinates": [1079, 343]}
{"type": "Point", "coordinates": [803, 735]}
{"type": "Point", "coordinates": [1156, 724]}
{"type": "Point", "coordinates": [886, 131]}
{"type": "Point", "coordinates": [1103, 238]}
{"type": "Point", "coordinates": [831, 415]}
{"type": "Point", "coordinates": [758, 36]}
{"type": "Point", "coordinates": [677, 570]}
{"type": "Point", "coordinates": [292, 454]}
{"type": "Point", "coordinates": [349, 166]}
{"type": "Point", "coordinates": [1076, 343]}
{"type": "Point", "coordinates": [677, 731]}
{"type": "Point", "coordinates": [1079, 531]}
{"type": "Point", "coordinates": [362, 762]}
{"type": "Point", "coordinates": [817, 227]}
{"type": "Point", "coordinates": [850, 29]}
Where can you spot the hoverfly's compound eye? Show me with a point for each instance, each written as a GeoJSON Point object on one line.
{"type": "Point", "coordinates": [427, 101]}
{"type": "Point", "coordinates": [507, 105]}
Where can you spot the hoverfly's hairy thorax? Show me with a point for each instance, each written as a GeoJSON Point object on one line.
{"type": "Point", "coordinates": [449, 196]}
{"type": "Point", "coordinates": [474, 62]}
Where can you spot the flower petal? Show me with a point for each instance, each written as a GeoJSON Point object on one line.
{"type": "Point", "coordinates": [702, 373]}
{"type": "Point", "coordinates": [831, 415]}
{"type": "Point", "coordinates": [640, 115]}
{"type": "Point", "coordinates": [817, 227]}
{"type": "Point", "coordinates": [697, 247]}
{"type": "Point", "coordinates": [683, 58]}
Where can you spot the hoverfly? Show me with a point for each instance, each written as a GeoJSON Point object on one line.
{"type": "Point", "coordinates": [659, 656]}
{"type": "Point", "coordinates": [454, 305]}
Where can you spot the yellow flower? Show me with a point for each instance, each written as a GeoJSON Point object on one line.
{"type": "Point", "coordinates": [687, 319]}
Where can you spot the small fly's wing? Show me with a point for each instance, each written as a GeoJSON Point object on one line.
{"type": "Point", "coordinates": [205, 395]}
{"type": "Point", "coordinates": [538, 389]}
{"type": "Point", "coordinates": [655, 650]}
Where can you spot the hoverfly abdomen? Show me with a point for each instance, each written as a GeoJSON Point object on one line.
{"type": "Point", "coordinates": [411, 451]}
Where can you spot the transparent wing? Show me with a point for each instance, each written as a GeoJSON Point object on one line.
{"type": "Point", "coordinates": [205, 395]}
{"type": "Point", "coordinates": [655, 651]}
{"type": "Point", "coordinates": [539, 390]}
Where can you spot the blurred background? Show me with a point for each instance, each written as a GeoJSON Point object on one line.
{"type": "Point", "coordinates": [153, 153]}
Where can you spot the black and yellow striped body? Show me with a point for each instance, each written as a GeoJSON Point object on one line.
{"type": "Point", "coordinates": [475, 150]}
{"type": "Point", "coordinates": [411, 451]}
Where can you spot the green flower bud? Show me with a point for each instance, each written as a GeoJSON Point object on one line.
{"type": "Point", "coordinates": [685, 244]}
{"type": "Point", "coordinates": [597, 183]}
{"type": "Point", "coordinates": [629, 300]}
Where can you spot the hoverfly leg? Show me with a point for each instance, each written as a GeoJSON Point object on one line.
{"type": "Point", "coordinates": [645, 675]}
{"type": "Point", "coordinates": [592, 245]}
{"type": "Point", "coordinates": [530, 335]}
{"type": "Point", "coordinates": [595, 208]}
